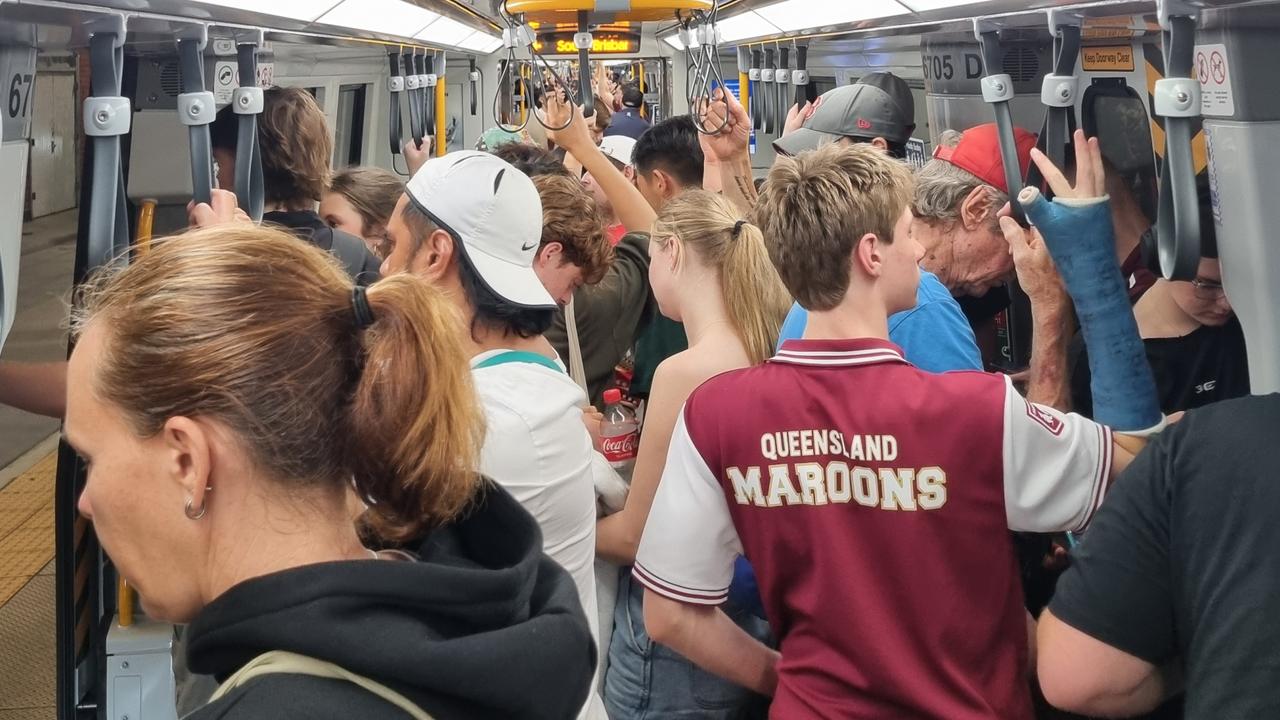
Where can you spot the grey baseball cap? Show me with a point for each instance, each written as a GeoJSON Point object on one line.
{"type": "Point", "coordinates": [899, 90]}
{"type": "Point", "coordinates": [859, 110]}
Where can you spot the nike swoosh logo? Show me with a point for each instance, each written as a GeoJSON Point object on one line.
{"type": "Point", "coordinates": [526, 248]}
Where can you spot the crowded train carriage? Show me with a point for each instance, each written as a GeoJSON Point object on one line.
{"type": "Point", "coordinates": [626, 359]}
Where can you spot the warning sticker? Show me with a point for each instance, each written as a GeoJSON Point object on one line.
{"type": "Point", "coordinates": [1112, 58]}
{"type": "Point", "coordinates": [226, 78]}
{"type": "Point", "coordinates": [1216, 98]}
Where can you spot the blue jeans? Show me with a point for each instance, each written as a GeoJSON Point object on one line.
{"type": "Point", "coordinates": [647, 681]}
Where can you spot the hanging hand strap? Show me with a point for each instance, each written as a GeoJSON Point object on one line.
{"type": "Point", "coordinates": [247, 103]}
{"type": "Point", "coordinates": [396, 84]}
{"type": "Point", "coordinates": [197, 109]}
{"type": "Point", "coordinates": [107, 117]}
{"type": "Point", "coordinates": [1176, 98]}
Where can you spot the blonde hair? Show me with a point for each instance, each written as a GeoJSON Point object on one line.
{"type": "Point", "coordinates": [754, 296]}
{"type": "Point", "coordinates": [250, 327]}
{"type": "Point", "coordinates": [815, 207]}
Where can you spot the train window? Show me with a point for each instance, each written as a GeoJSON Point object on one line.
{"type": "Point", "coordinates": [349, 135]}
{"type": "Point", "coordinates": [1115, 113]}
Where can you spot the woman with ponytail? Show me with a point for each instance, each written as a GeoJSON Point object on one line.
{"type": "Point", "coordinates": [227, 392]}
{"type": "Point", "coordinates": [710, 270]}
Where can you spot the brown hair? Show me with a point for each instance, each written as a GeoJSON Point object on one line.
{"type": "Point", "coordinates": [296, 147]}
{"type": "Point", "coordinates": [372, 192]}
{"type": "Point", "coordinates": [815, 207]}
{"type": "Point", "coordinates": [708, 225]}
{"type": "Point", "coordinates": [604, 114]}
{"type": "Point", "coordinates": [249, 327]}
{"type": "Point", "coordinates": [570, 217]}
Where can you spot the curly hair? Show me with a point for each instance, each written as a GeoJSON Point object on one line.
{"type": "Point", "coordinates": [570, 217]}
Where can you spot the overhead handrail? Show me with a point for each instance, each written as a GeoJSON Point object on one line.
{"type": "Point", "coordinates": [997, 91]}
{"type": "Point", "coordinates": [800, 75]}
{"type": "Point", "coordinates": [1058, 93]}
{"type": "Point", "coordinates": [396, 86]}
{"type": "Point", "coordinates": [197, 109]}
{"type": "Point", "coordinates": [107, 117]}
{"type": "Point", "coordinates": [247, 104]}
{"type": "Point", "coordinates": [1176, 98]}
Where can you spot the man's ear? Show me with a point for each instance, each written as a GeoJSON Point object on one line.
{"type": "Point", "coordinates": [880, 144]}
{"type": "Point", "coordinates": [435, 256]}
{"type": "Point", "coordinates": [549, 254]}
{"type": "Point", "coordinates": [868, 255]}
{"type": "Point", "coordinates": [976, 209]}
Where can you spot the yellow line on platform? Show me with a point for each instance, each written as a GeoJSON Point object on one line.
{"type": "Point", "coordinates": [26, 526]}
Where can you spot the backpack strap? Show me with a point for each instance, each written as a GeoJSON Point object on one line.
{"type": "Point", "coordinates": [518, 356]}
{"type": "Point", "coordinates": [576, 369]}
{"type": "Point", "coordinates": [281, 662]}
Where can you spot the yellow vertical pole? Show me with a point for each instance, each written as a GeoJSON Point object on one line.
{"type": "Point", "coordinates": [744, 89]}
{"type": "Point", "coordinates": [441, 140]}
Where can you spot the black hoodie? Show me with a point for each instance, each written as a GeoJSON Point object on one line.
{"type": "Point", "coordinates": [484, 626]}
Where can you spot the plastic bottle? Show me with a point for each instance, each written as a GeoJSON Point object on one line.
{"type": "Point", "coordinates": [619, 434]}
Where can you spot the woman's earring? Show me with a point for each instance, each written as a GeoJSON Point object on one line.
{"type": "Point", "coordinates": [194, 514]}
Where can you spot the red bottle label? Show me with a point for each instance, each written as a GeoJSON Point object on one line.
{"type": "Point", "coordinates": [620, 448]}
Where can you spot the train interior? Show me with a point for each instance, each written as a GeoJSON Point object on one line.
{"type": "Point", "coordinates": [100, 121]}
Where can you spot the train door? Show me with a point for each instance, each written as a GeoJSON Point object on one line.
{"type": "Point", "coordinates": [53, 144]}
{"type": "Point", "coordinates": [17, 73]}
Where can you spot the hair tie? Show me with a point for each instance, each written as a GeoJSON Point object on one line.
{"type": "Point", "coordinates": [360, 306]}
{"type": "Point", "coordinates": [737, 228]}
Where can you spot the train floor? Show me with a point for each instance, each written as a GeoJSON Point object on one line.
{"type": "Point", "coordinates": [28, 447]}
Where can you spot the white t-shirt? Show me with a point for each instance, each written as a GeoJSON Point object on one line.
{"type": "Point", "coordinates": [537, 447]}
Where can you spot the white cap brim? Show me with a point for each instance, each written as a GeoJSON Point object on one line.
{"type": "Point", "coordinates": [517, 284]}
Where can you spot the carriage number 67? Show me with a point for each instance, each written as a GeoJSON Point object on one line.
{"type": "Point", "coordinates": [20, 101]}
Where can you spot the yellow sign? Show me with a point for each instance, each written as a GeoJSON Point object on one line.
{"type": "Point", "coordinates": [1111, 58]}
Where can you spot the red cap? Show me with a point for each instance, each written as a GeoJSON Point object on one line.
{"type": "Point", "coordinates": [978, 152]}
{"type": "Point", "coordinates": [612, 396]}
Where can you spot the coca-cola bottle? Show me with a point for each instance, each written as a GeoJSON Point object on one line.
{"type": "Point", "coordinates": [619, 434]}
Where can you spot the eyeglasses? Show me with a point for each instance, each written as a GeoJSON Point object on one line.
{"type": "Point", "coordinates": [1207, 289]}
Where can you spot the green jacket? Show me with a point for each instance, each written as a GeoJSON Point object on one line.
{"type": "Point", "coordinates": [611, 315]}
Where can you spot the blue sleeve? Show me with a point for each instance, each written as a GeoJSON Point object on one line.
{"type": "Point", "coordinates": [744, 592]}
{"type": "Point", "coordinates": [936, 337]}
{"type": "Point", "coordinates": [793, 326]}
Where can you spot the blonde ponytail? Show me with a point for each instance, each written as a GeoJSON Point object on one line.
{"type": "Point", "coordinates": [754, 296]}
{"type": "Point", "coordinates": [415, 424]}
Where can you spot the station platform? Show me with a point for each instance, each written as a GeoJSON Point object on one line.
{"type": "Point", "coordinates": [28, 462]}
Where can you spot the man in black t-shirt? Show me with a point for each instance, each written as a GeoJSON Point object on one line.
{"type": "Point", "coordinates": [1178, 571]}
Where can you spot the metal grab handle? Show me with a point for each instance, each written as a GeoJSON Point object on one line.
{"type": "Point", "coordinates": [395, 83]}
{"type": "Point", "coordinates": [107, 117]}
{"type": "Point", "coordinates": [428, 99]}
{"type": "Point", "coordinates": [250, 189]}
{"type": "Point", "coordinates": [475, 76]}
{"type": "Point", "coordinates": [196, 110]}
{"type": "Point", "coordinates": [413, 75]}
{"type": "Point", "coordinates": [1177, 99]}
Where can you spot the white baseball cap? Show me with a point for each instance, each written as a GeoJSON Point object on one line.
{"type": "Point", "coordinates": [618, 147]}
{"type": "Point", "coordinates": [493, 212]}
